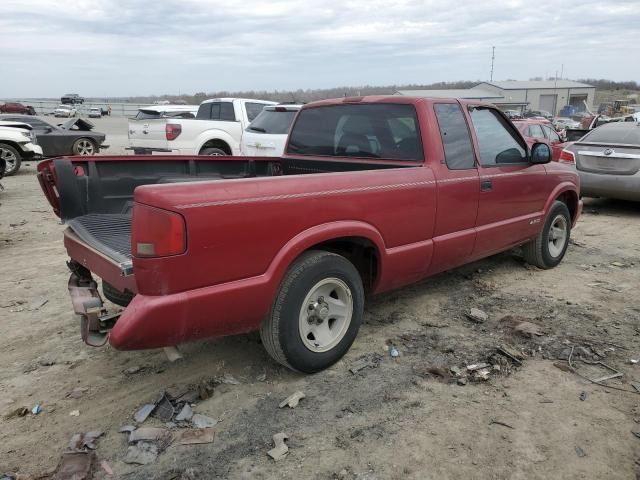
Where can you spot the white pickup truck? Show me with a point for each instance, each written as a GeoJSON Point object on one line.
{"type": "Point", "coordinates": [216, 130]}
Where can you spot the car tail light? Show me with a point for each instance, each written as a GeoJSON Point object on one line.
{"type": "Point", "coordinates": [157, 232]}
{"type": "Point", "coordinates": [567, 157]}
{"type": "Point", "coordinates": [172, 130]}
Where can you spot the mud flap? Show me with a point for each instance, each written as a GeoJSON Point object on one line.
{"type": "Point", "coordinates": [95, 321]}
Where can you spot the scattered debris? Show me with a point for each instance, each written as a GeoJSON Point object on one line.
{"type": "Point", "coordinates": [106, 467]}
{"type": "Point", "coordinates": [281, 449]}
{"type": "Point", "coordinates": [580, 452]}
{"type": "Point", "coordinates": [202, 421]}
{"type": "Point", "coordinates": [456, 371]}
{"type": "Point", "coordinates": [528, 330]}
{"type": "Point", "coordinates": [18, 412]}
{"type": "Point", "coordinates": [37, 408]}
{"type": "Point", "coordinates": [498, 422]}
{"type": "Point", "coordinates": [476, 366]}
{"type": "Point", "coordinates": [477, 315]}
{"type": "Point", "coordinates": [229, 379]}
{"type": "Point", "coordinates": [564, 367]}
{"type": "Point", "coordinates": [636, 433]}
{"type": "Point", "coordinates": [164, 410]}
{"type": "Point", "coordinates": [194, 436]}
{"type": "Point", "coordinates": [511, 352]}
{"type": "Point", "coordinates": [605, 286]}
{"type": "Point", "coordinates": [370, 360]}
{"type": "Point", "coordinates": [172, 353]}
{"type": "Point", "coordinates": [482, 374]}
{"type": "Point", "coordinates": [636, 386]}
{"type": "Point", "coordinates": [393, 351]}
{"type": "Point", "coordinates": [39, 306]}
{"type": "Point", "coordinates": [75, 466]}
{"type": "Point", "coordinates": [185, 414]}
{"type": "Point", "coordinates": [143, 412]}
{"type": "Point", "coordinates": [77, 392]}
{"type": "Point", "coordinates": [634, 361]}
{"type": "Point", "coordinates": [435, 325]}
{"type": "Point", "coordinates": [83, 442]}
{"type": "Point", "coordinates": [148, 434]}
{"type": "Point", "coordinates": [127, 429]}
{"type": "Point", "coordinates": [618, 264]}
{"type": "Point", "coordinates": [74, 413]}
{"type": "Point", "coordinates": [583, 396]}
{"type": "Point", "coordinates": [262, 377]}
{"type": "Point", "coordinates": [616, 374]}
{"type": "Point", "coordinates": [142, 453]}
{"type": "Point", "coordinates": [292, 400]}
{"type": "Point", "coordinates": [46, 362]}
{"type": "Point", "coordinates": [133, 370]}
{"type": "Point", "coordinates": [462, 381]}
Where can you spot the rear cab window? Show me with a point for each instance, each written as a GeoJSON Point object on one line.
{"type": "Point", "coordinates": [253, 109]}
{"type": "Point", "coordinates": [363, 130]}
{"type": "Point", "coordinates": [272, 122]}
{"type": "Point", "coordinates": [497, 142]}
{"type": "Point", "coordinates": [222, 111]}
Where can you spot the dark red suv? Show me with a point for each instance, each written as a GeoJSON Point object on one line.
{"type": "Point", "coordinates": [11, 107]}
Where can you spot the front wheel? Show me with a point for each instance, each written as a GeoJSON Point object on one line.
{"type": "Point", "coordinates": [548, 249]}
{"type": "Point", "coordinates": [316, 314]}
{"type": "Point", "coordinates": [12, 159]}
{"type": "Point", "coordinates": [84, 146]}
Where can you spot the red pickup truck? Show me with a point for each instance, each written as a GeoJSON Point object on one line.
{"type": "Point", "coordinates": [372, 193]}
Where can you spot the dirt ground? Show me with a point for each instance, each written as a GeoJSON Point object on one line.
{"type": "Point", "coordinates": [399, 418]}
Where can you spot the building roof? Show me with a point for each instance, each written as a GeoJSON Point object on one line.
{"type": "Point", "coordinates": [535, 84]}
{"type": "Point", "coordinates": [470, 93]}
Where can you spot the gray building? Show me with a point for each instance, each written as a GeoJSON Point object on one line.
{"type": "Point", "coordinates": [549, 95]}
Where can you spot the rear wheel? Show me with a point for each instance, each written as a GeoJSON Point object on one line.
{"type": "Point", "coordinates": [116, 296]}
{"type": "Point", "coordinates": [316, 314]}
{"type": "Point", "coordinates": [84, 146]}
{"type": "Point", "coordinates": [548, 249]}
{"type": "Point", "coordinates": [214, 151]}
{"type": "Point", "coordinates": [12, 159]}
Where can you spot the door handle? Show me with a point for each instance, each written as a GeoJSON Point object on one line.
{"type": "Point", "coordinates": [486, 185]}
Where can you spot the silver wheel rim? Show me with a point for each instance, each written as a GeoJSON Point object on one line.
{"type": "Point", "coordinates": [325, 315]}
{"type": "Point", "coordinates": [558, 236]}
{"type": "Point", "coordinates": [85, 147]}
{"type": "Point", "coordinates": [9, 160]}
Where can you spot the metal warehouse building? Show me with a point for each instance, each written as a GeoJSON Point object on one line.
{"type": "Point", "coordinates": [549, 95]}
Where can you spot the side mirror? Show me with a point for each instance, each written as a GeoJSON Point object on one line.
{"type": "Point", "coordinates": [540, 153]}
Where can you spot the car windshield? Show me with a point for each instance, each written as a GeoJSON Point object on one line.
{"type": "Point", "coordinates": [384, 130]}
{"type": "Point", "coordinates": [627, 134]}
{"type": "Point", "coordinates": [272, 122]}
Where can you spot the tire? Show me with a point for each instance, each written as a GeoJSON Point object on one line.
{"type": "Point", "coordinates": [12, 159]}
{"type": "Point", "coordinates": [213, 151]}
{"type": "Point", "coordinates": [544, 251]}
{"type": "Point", "coordinates": [84, 147]}
{"type": "Point", "coordinates": [116, 296]}
{"type": "Point", "coordinates": [288, 332]}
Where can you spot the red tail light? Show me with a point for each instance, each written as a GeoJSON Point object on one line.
{"type": "Point", "coordinates": [172, 130]}
{"type": "Point", "coordinates": [567, 157]}
{"type": "Point", "coordinates": [157, 232]}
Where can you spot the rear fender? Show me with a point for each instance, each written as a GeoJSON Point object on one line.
{"type": "Point", "coordinates": [216, 134]}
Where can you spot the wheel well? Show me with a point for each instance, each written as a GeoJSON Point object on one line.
{"type": "Point", "coordinates": [217, 143]}
{"type": "Point", "coordinates": [360, 251]}
{"type": "Point", "coordinates": [12, 144]}
{"type": "Point", "coordinates": [570, 199]}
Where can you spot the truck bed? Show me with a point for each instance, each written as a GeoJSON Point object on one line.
{"type": "Point", "coordinates": [109, 233]}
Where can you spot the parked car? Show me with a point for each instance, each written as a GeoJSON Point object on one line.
{"type": "Point", "coordinates": [608, 161]}
{"type": "Point", "coordinates": [541, 131]}
{"type": "Point", "coordinates": [216, 130]}
{"type": "Point", "coordinates": [73, 137]}
{"type": "Point", "coordinates": [71, 98]}
{"type": "Point", "coordinates": [562, 123]}
{"type": "Point", "coordinates": [266, 135]}
{"type": "Point", "coordinates": [95, 112]}
{"type": "Point", "coordinates": [538, 114]}
{"type": "Point", "coordinates": [371, 193]}
{"type": "Point", "coordinates": [17, 143]}
{"type": "Point", "coordinates": [12, 107]}
{"type": "Point", "coordinates": [513, 114]}
{"type": "Point", "coordinates": [148, 127]}
{"type": "Point", "coordinates": [65, 111]}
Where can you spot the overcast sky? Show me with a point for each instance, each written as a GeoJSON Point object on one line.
{"type": "Point", "coordinates": [140, 47]}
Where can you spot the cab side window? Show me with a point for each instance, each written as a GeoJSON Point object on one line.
{"type": "Point", "coordinates": [535, 131]}
{"type": "Point", "coordinates": [552, 135]}
{"type": "Point", "coordinates": [458, 151]}
{"type": "Point", "coordinates": [497, 141]}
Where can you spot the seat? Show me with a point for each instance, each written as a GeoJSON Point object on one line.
{"type": "Point", "coordinates": [354, 144]}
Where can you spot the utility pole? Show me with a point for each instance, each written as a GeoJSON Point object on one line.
{"type": "Point", "coordinates": [561, 71]}
{"type": "Point", "coordinates": [493, 57]}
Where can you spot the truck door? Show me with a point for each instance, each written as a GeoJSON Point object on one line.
{"type": "Point", "coordinates": [458, 189]}
{"type": "Point", "coordinates": [513, 191]}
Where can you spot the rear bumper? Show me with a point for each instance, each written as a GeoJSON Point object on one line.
{"type": "Point", "coordinates": [623, 187]}
{"type": "Point", "coordinates": [160, 151]}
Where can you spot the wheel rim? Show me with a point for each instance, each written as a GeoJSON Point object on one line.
{"type": "Point", "coordinates": [558, 234]}
{"type": "Point", "coordinates": [85, 147]}
{"type": "Point", "coordinates": [9, 160]}
{"type": "Point", "coordinates": [325, 315]}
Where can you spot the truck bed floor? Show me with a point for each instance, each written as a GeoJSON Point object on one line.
{"type": "Point", "coordinates": [109, 233]}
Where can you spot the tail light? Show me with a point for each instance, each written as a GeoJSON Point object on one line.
{"type": "Point", "coordinates": [567, 157]}
{"type": "Point", "coordinates": [172, 130]}
{"type": "Point", "coordinates": [157, 232]}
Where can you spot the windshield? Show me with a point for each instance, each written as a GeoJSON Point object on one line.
{"type": "Point", "coordinates": [628, 134]}
{"type": "Point", "coordinates": [272, 122]}
{"type": "Point", "coordinates": [384, 130]}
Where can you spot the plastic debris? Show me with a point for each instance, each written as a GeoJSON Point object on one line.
{"type": "Point", "coordinates": [194, 436]}
{"type": "Point", "coordinates": [143, 412]}
{"type": "Point", "coordinates": [148, 434]}
{"type": "Point", "coordinates": [292, 400]}
{"type": "Point", "coordinates": [83, 442]}
{"type": "Point", "coordinates": [164, 409]}
{"type": "Point", "coordinates": [281, 449]}
{"type": "Point", "coordinates": [393, 351]}
{"type": "Point", "coordinates": [580, 452]}
{"type": "Point", "coordinates": [476, 366]}
{"type": "Point", "coordinates": [583, 396]}
{"type": "Point", "coordinates": [74, 413]}
{"type": "Point", "coordinates": [202, 421]}
{"type": "Point", "coordinates": [634, 361]}
{"type": "Point", "coordinates": [185, 414]}
{"type": "Point", "coordinates": [37, 408]}
{"type": "Point", "coordinates": [477, 315]}
{"type": "Point", "coordinates": [229, 379]}
{"type": "Point", "coordinates": [142, 453]}
{"type": "Point", "coordinates": [172, 353]}
{"type": "Point", "coordinates": [76, 466]}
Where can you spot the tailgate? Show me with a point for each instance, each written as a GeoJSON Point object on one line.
{"type": "Point", "coordinates": [148, 133]}
{"type": "Point", "coordinates": [608, 160]}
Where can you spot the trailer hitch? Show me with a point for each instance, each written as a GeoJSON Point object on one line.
{"type": "Point", "coordinates": [95, 321]}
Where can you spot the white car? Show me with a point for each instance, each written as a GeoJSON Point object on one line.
{"type": "Point", "coordinates": [266, 135]}
{"type": "Point", "coordinates": [67, 111]}
{"type": "Point", "coordinates": [217, 129]}
{"type": "Point", "coordinates": [17, 143]}
{"type": "Point", "coordinates": [95, 112]}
